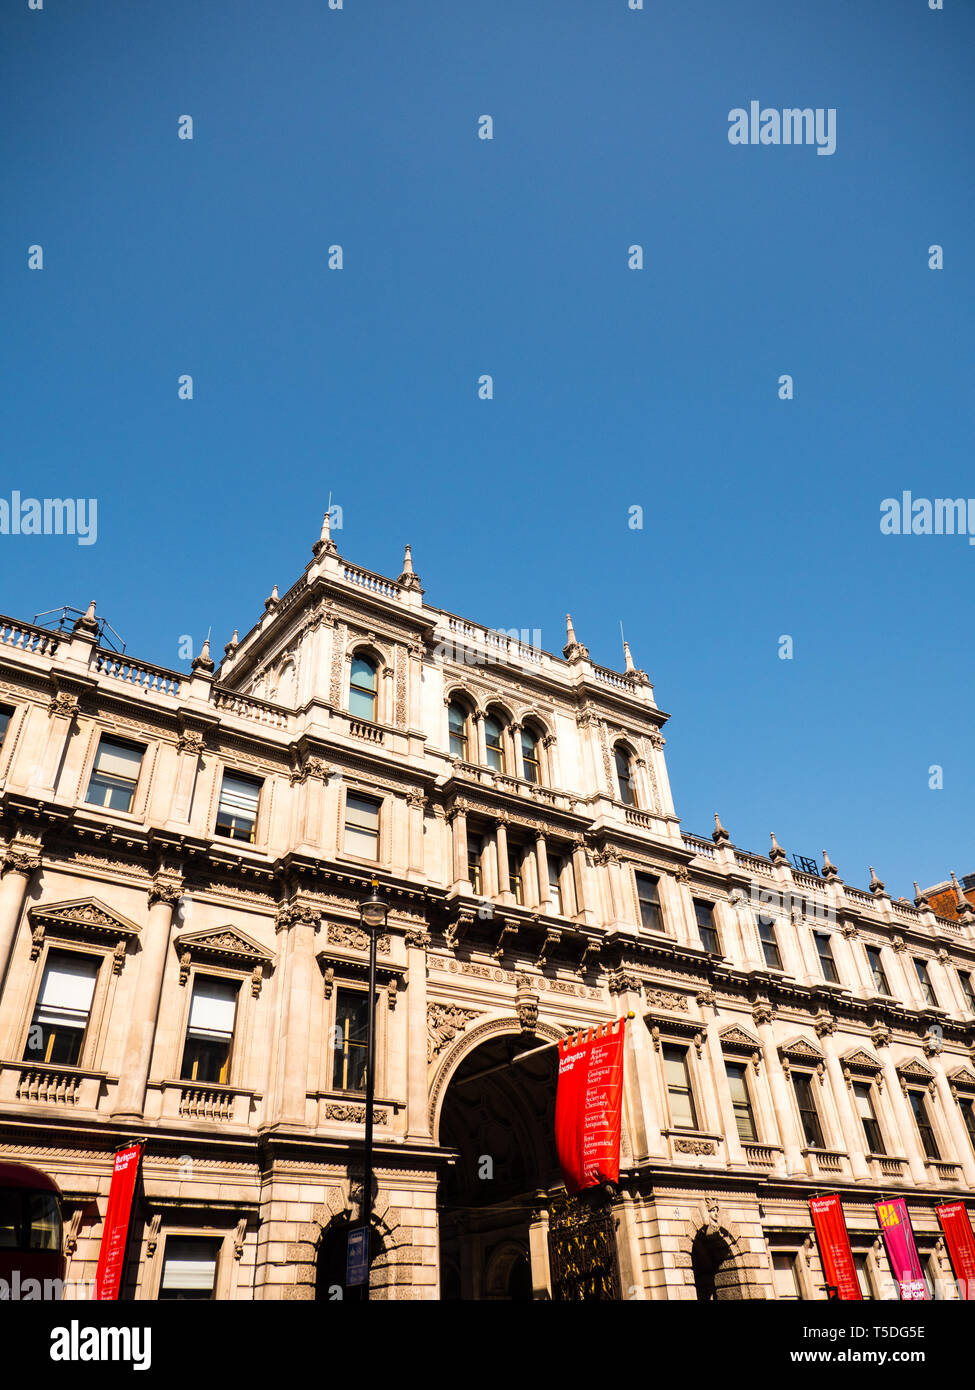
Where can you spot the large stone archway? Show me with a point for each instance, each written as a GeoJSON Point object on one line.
{"type": "Point", "coordinates": [718, 1263]}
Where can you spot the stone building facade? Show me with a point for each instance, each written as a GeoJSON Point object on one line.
{"type": "Point", "coordinates": [182, 961]}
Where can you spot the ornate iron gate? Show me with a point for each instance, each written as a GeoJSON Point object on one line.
{"type": "Point", "coordinates": [582, 1249]}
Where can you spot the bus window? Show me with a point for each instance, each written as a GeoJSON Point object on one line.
{"type": "Point", "coordinates": [9, 1218]}
{"type": "Point", "coordinates": [44, 1218]}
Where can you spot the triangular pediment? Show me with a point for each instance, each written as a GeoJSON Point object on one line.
{"type": "Point", "coordinates": [859, 1060]}
{"type": "Point", "coordinates": [85, 916]}
{"type": "Point", "coordinates": [961, 1076]}
{"type": "Point", "coordinates": [737, 1037]}
{"type": "Point", "coordinates": [800, 1049]}
{"type": "Point", "coordinates": [229, 943]}
{"type": "Point", "coordinates": [917, 1070]}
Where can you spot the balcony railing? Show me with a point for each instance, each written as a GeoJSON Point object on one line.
{"type": "Point", "coordinates": [760, 1155]}
{"type": "Point", "coordinates": [25, 637]}
{"type": "Point", "coordinates": [151, 680]}
{"type": "Point", "coordinates": [701, 847]}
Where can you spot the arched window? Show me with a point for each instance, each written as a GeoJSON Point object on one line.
{"type": "Point", "coordinates": [362, 689]}
{"type": "Point", "coordinates": [531, 755]}
{"type": "Point", "coordinates": [494, 742]}
{"type": "Point", "coordinates": [457, 718]}
{"type": "Point", "coordinates": [624, 776]}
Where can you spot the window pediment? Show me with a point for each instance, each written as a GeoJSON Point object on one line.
{"type": "Point", "coordinates": [913, 1070]}
{"type": "Point", "coordinates": [860, 1061]}
{"type": "Point", "coordinates": [801, 1050]}
{"type": "Point", "coordinates": [228, 946]}
{"type": "Point", "coordinates": [338, 968]}
{"type": "Point", "coordinates": [962, 1079]}
{"type": "Point", "coordinates": [82, 919]}
{"type": "Point", "coordinates": [734, 1039]}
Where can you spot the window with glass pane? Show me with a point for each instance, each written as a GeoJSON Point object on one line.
{"type": "Point", "coordinates": [682, 1112]}
{"type": "Point", "coordinates": [825, 952]}
{"type": "Point", "coordinates": [967, 983]}
{"type": "Point", "coordinates": [351, 1040]}
{"type": "Point", "coordinates": [967, 1105]}
{"type": "Point", "coordinates": [624, 777]}
{"type": "Point", "coordinates": [860, 1259]}
{"type": "Point", "coordinates": [6, 714]}
{"type": "Point", "coordinates": [868, 1116]}
{"type": "Point", "coordinates": [740, 1100]}
{"type": "Point", "coordinates": [770, 945]}
{"type": "Point", "coordinates": [704, 913]}
{"type": "Point", "coordinates": [189, 1268]}
{"type": "Point", "coordinates": [493, 736]}
{"type": "Point", "coordinates": [362, 689]}
{"type": "Point", "coordinates": [61, 1013]}
{"type": "Point", "coordinates": [457, 722]}
{"type": "Point", "coordinates": [808, 1114]}
{"type": "Point", "coordinates": [237, 812]}
{"type": "Point", "coordinates": [529, 756]}
{"type": "Point", "coordinates": [29, 1220]}
{"type": "Point", "coordinates": [475, 854]}
{"type": "Point", "coordinates": [877, 970]}
{"type": "Point", "coordinates": [210, 1032]}
{"type": "Point", "coordinates": [920, 1108]}
{"type": "Point", "coordinates": [555, 883]}
{"type": "Point", "coordinates": [115, 774]}
{"type": "Point", "coordinates": [925, 982]}
{"type": "Point", "coordinates": [784, 1275]}
{"type": "Point", "coordinates": [516, 871]}
{"type": "Point", "coordinates": [649, 900]}
{"type": "Point", "coordinates": [361, 826]}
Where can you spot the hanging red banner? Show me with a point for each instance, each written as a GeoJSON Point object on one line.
{"type": "Point", "coordinates": [957, 1226]}
{"type": "Point", "coordinates": [588, 1107]}
{"type": "Point", "coordinates": [834, 1247]}
{"type": "Point", "coordinates": [901, 1249]}
{"type": "Point", "coordinates": [111, 1255]}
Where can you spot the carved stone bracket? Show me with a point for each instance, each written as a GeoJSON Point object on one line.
{"type": "Point", "coordinates": [444, 1022]}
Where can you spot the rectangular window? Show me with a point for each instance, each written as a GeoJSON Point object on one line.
{"type": "Point", "coordinates": [351, 1040]}
{"type": "Point", "coordinates": [860, 1258]}
{"type": "Point", "coordinates": [6, 714]}
{"type": "Point", "coordinates": [741, 1101]}
{"type": "Point", "coordinates": [57, 1029]}
{"type": "Point", "coordinates": [115, 774]}
{"type": "Point", "coordinates": [361, 826]}
{"type": "Point", "coordinates": [210, 1033]}
{"type": "Point", "coordinates": [704, 913]}
{"type": "Point", "coordinates": [967, 983]}
{"type": "Point", "coordinates": [648, 897]}
{"type": "Point", "coordinates": [555, 883]}
{"type": "Point", "coordinates": [682, 1112]}
{"type": "Point", "coordinates": [920, 1108]}
{"type": "Point", "coordinates": [967, 1105]}
{"type": "Point", "coordinates": [877, 970]}
{"type": "Point", "coordinates": [808, 1114]}
{"type": "Point", "coordinates": [784, 1278]}
{"type": "Point", "coordinates": [475, 850]}
{"type": "Point", "coordinates": [826, 962]}
{"type": "Point", "coordinates": [189, 1267]}
{"type": "Point", "coordinates": [868, 1117]}
{"type": "Point", "coordinates": [516, 870]}
{"type": "Point", "coordinates": [770, 945]}
{"type": "Point", "coordinates": [237, 812]}
{"type": "Point", "coordinates": [924, 979]}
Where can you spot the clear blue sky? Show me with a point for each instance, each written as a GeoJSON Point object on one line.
{"type": "Point", "coordinates": [612, 387]}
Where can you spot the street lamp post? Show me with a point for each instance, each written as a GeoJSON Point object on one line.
{"type": "Point", "coordinates": [372, 915]}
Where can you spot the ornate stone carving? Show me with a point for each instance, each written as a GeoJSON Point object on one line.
{"type": "Point", "coordinates": [192, 742]}
{"type": "Point", "coordinates": [419, 938]}
{"type": "Point", "coordinates": [63, 703]}
{"type": "Point", "coordinates": [354, 1114]}
{"type": "Point", "coordinates": [682, 874]}
{"type": "Point", "coordinates": [694, 1146]}
{"type": "Point", "coordinates": [666, 999]}
{"type": "Point", "coordinates": [526, 1005]}
{"type": "Point", "coordinates": [824, 1024]}
{"type": "Point", "coordinates": [166, 887]}
{"type": "Point", "coordinates": [622, 980]}
{"type": "Point", "coordinates": [345, 934]}
{"type": "Point", "coordinates": [444, 1022]}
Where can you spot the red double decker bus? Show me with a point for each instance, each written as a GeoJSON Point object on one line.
{"type": "Point", "coordinates": [31, 1238]}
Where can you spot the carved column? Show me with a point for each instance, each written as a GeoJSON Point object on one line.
{"type": "Point", "coordinates": [580, 883]}
{"type": "Point", "coordinates": [781, 1099]}
{"type": "Point", "coordinates": [416, 803]}
{"type": "Point", "coordinates": [903, 1115]}
{"type": "Point", "coordinates": [20, 859]}
{"type": "Point", "coordinates": [189, 751]}
{"type": "Point", "coordinates": [480, 740]}
{"type": "Point", "coordinates": [541, 862]}
{"type": "Point", "coordinates": [638, 1069]}
{"type": "Point", "coordinates": [297, 923]}
{"type": "Point", "coordinates": [417, 1125]}
{"type": "Point", "coordinates": [61, 712]}
{"type": "Point", "coordinates": [504, 871]}
{"type": "Point", "coordinates": [165, 893]}
{"type": "Point", "coordinates": [850, 1125]}
{"type": "Point", "coordinates": [728, 1124]}
{"type": "Point", "coordinates": [457, 819]}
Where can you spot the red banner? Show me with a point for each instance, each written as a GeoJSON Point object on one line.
{"type": "Point", "coordinates": [588, 1107]}
{"type": "Point", "coordinates": [957, 1226]}
{"type": "Point", "coordinates": [901, 1250]}
{"type": "Point", "coordinates": [834, 1246]}
{"type": "Point", "coordinates": [111, 1256]}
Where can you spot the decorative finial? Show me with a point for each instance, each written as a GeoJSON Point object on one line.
{"type": "Point", "coordinates": [628, 659]}
{"type": "Point", "coordinates": [203, 662]}
{"type": "Point", "coordinates": [919, 899]}
{"type": "Point", "coordinates": [573, 649]}
{"type": "Point", "coordinates": [87, 622]}
{"type": "Point", "coordinates": [875, 885]}
{"type": "Point", "coordinates": [272, 601]}
{"type": "Point", "coordinates": [325, 545]}
{"type": "Point", "coordinates": [409, 579]}
{"type": "Point", "coordinates": [719, 835]}
{"type": "Point", "coordinates": [962, 906]}
{"type": "Point", "coordinates": [233, 644]}
{"type": "Point", "coordinates": [829, 868]}
{"type": "Point", "coordinates": [777, 854]}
